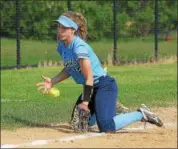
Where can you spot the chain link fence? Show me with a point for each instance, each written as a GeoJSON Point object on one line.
{"type": "Point", "coordinates": [119, 31]}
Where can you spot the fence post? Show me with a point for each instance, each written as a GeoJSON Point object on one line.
{"type": "Point", "coordinates": [69, 5]}
{"type": "Point", "coordinates": [156, 30]}
{"type": "Point", "coordinates": [115, 57]}
{"type": "Point", "coordinates": [18, 32]}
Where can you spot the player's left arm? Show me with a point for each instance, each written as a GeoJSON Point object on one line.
{"type": "Point", "coordinates": [86, 70]}
{"type": "Point", "coordinates": [82, 54]}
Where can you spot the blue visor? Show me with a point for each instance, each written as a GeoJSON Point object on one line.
{"type": "Point", "coordinates": [67, 22]}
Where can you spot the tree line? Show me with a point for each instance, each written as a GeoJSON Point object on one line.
{"type": "Point", "coordinates": [134, 18]}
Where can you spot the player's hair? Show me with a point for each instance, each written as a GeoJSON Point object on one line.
{"type": "Point", "coordinates": [81, 22]}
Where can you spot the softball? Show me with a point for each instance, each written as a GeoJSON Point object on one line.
{"type": "Point", "coordinates": [54, 92]}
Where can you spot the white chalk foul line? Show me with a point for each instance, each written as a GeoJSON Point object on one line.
{"type": "Point", "coordinates": [84, 136]}
{"type": "Point", "coordinates": [45, 142]}
{"type": "Point", "coordinates": [78, 137]}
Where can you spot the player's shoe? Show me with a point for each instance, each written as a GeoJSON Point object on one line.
{"type": "Point", "coordinates": [149, 116]}
{"type": "Point", "coordinates": [120, 108]}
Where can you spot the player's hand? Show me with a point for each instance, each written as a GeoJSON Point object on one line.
{"type": "Point", "coordinates": [45, 86]}
{"type": "Point", "coordinates": [84, 106]}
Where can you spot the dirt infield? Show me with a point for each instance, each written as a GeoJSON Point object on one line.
{"type": "Point", "coordinates": [164, 137]}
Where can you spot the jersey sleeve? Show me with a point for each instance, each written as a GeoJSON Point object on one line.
{"type": "Point", "coordinates": [81, 52]}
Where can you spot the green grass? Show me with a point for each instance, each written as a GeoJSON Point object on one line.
{"type": "Point", "coordinates": [22, 105]}
{"type": "Point", "coordinates": [34, 51]}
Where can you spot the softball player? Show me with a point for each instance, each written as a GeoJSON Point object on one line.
{"type": "Point", "coordinates": [100, 91]}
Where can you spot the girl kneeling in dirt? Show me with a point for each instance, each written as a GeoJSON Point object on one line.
{"type": "Point", "coordinates": [99, 89]}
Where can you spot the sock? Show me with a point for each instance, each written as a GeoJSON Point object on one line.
{"type": "Point", "coordinates": [125, 119]}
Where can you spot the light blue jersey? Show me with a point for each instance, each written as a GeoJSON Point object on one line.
{"type": "Point", "coordinates": [71, 54]}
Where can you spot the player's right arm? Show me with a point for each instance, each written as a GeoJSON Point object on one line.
{"type": "Point", "coordinates": [50, 82]}
{"type": "Point", "coordinates": [60, 77]}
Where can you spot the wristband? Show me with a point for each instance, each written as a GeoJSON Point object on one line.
{"type": "Point", "coordinates": [87, 92]}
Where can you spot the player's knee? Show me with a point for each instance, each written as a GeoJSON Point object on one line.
{"type": "Point", "coordinates": [106, 125]}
